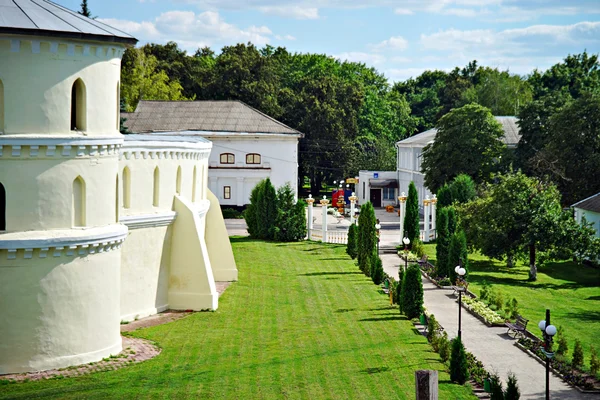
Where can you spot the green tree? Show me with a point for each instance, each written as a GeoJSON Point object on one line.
{"type": "Point", "coordinates": [459, 369]}
{"type": "Point", "coordinates": [462, 189]}
{"type": "Point", "coordinates": [467, 142]}
{"type": "Point", "coordinates": [377, 273]}
{"type": "Point", "coordinates": [251, 213]}
{"type": "Point", "coordinates": [290, 223]}
{"type": "Point", "coordinates": [577, 361]}
{"type": "Point", "coordinates": [267, 211]}
{"type": "Point", "coordinates": [496, 391]}
{"type": "Point", "coordinates": [457, 254]}
{"type": "Point", "coordinates": [452, 220]}
{"type": "Point", "coordinates": [512, 388]}
{"type": "Point", "coordinates": [352, 246]}
{"type": "Point", "coordinates": [411, 296]}
{"type": "Point", "coordinates": [411, 218]}
{"type": "Point", "coordinates": [501, 92]}
{"type": "Point", "coordinates": [444, 196]}
{"type": "Point", "coordinates": [85, 10]}
{"type": "Point", "coordinates": [367, 238]}
{"type": "Point", "coordinates": [443, 243]}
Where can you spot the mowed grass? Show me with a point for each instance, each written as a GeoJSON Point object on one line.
{"type": "Point", "coordinates": [570, 291]}
{"type": "Point", "coordinates": [301, 323]}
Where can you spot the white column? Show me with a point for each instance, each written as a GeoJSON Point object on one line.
{"type": "Point", "coordinates": [309, 225]}
{"type": "Point", "coordinates": [353, 208]}
{"type": "Point", "coordinates": [324, 203]}
{"type": "Point", "coordinates": [402, 200]}
{"type": "Point", "coordinates": [240, 191]}
{"type": "Point", "coordinates": [426, 209]}
{"type": "Point", "coordinates": [433, 213]}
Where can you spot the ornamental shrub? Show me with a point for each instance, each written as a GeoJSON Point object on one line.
{"type": "Point", "coordinates": [432, 326]}
{"type": "Point", "coordinates": [496, 391]}
{"type": "Point", "coordinates": [462, 189]}
{"type": "Point", "coordinates": [444, 346]}
{"type": "Point", "coordinates": [443, 242]}
{"type": "Point", "coordinates": [291, 221]}
{"type": "Point", "coordinates": [594, 361]}
{"type": "Point", "coordinates": [561, 340]}
{"type": "Point", "coordinates": [444, 197]}
{"type": "Point", "coordinates": [266, 211]}
{"type": "Point", "coordinates": [411, 217]}
{"type": "Point", "coordinates": [367, 237]}
{"type": "Point", "coordinates": [457, 252]}
{"type": "Point", "coordinates": [512, 388]}
{"type": "Point", "coordinates": [352, 247]}
{"type": "Point", "coordinates": [418, 249]}
{"type": "Point", "coordinates": [376, 270]}
{"type": "Point", "coordinates": [577, 361]}
{"type": "Point", "coordinates": [411, 296]}
{"type": "Point", "coordinates": [459, 370]}
{"type": "Point", "coordinates": [452, 220]}
{"type": "Point", "coordinates": [251, 214]}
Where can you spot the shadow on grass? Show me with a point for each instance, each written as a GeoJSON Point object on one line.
{"type": "Point", "coordinates": [331, 273]}
{"type": "Point", "coordinates": [334, 259]}
{"type": "Point", "coordinates": [593, 298]}
{"type": "Point", "coordinates": [394, 318]}
{"type": "Point", "coordinates": [587, 316]}
{"type": "Point", "coordinates": [344, 310]}
{"type": "Point", "coordinates": [374, 370]}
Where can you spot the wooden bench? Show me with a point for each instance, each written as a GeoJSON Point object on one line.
{"type": "Point", "coordinates": [423, 261]}
{"type": "Point", "coordinates": [518, 327]}
{"type": "Point", "coordinates": [461, 286]}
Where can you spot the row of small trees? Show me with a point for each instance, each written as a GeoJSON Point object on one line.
{"type": "Point", "coordinates": [275, 214]}
{"type": "Point", "coordinates": [362, 243]}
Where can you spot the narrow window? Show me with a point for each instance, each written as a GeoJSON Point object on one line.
{"type": "Point", "coordinates": [1, 107]}
{"type": "Point", "coordinates": [126, 187]}
{"type": "Point", "coordinates": [117, 200]}
{"type": "Point", "coordinates": [78, 202]}
{"type": "Point", "coordinates": [194, 186]}
{"type": "Point", "coordinates": [156, 196]}
{"type": "Point", "coordinates": [227, 158]}
{"type": "Point", "coordinates": [178, 184]}
{"type": "Point", "coordinates": [78, 112]}
{"type": "Point", "coordinates": [2, 208]}
{"type": "Point", "coordinates": [252, 158]}
{"type": "Point", "coordinates": [226, 192]}
{"type": "Point", "coordinates": [118, 114]}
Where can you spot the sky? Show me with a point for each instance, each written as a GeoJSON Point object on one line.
{"type": "Point", "coordinates": [399, 38]}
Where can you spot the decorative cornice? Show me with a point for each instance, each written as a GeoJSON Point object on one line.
{"type": "Point", "coordinates": [135, 154]}
{"type": "Point", "coordinates": [64, 46]}
{"type": "Point", "coordinates": [67, 242]}
{"type": "Point", "coordinates": [148, 220]}
{"type": "Point", "coordinates": [38, 146]}
{"type": "Point", "coordinates": [159, 147]}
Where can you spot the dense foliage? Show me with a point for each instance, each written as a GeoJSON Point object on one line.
{"type": "Point", "coordinates": [352, 246]}
{"type": "Point", "coordinates": [290, 223]}
{"type": "Point", "coordinates": [459, 370]}
{"type": "Point", "coordinates": [367, 237]}
{"type": "Point", "coordinates": [411, 295]}
{"type": "Point", "coordinates": [411, 217]}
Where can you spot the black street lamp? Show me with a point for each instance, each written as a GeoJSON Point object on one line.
{"type": "Point", "coordinates": [460, 271]}
{"type": "Point", "coordinates": [548, 332]}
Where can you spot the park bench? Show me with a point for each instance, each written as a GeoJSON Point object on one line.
{"type": "Point", "coordinates": [423, 262]}
{"type": "Point", "coordinates": [518, 327]}
{"type": "Point", "coordinates": [461, 286]}
{"type": "Point", "coordinates": [439, 328]}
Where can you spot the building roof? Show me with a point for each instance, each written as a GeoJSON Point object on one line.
{"type": "Point", "coordinates": [509, 125]}
{"type": "Point", "coordinates": [45, 18]}
{"type": "Point", "coordinates": [207, 116]}
{"type": "Point", "coordinates": [592, 203]}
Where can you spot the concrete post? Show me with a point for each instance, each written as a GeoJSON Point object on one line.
{"type": "Point", "coordinates": [402, 200]}
{"type": "Point", "coordinates": [352, 207]}
{"type": "Point", "coordinates": [324, 204]}
{"type": "Point", "coordinates": [310, 202]}
{"type": "Point", "coordinates": [426, 203]}
{"type": "Point", "coordinates": [426, 385]}
{"type": "Point", "coordinates": [433, 214]}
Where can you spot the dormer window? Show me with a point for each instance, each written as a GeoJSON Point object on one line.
{"type": "Point", "coordinates": [78, 111]}
{"type": "Point", "coordinates": [253, 158]}
{"type": "Point", "coordinates": [227, 158]}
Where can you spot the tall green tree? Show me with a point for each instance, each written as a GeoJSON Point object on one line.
{"type": "Point", "coordinates": [411, 296]}
{"type": "Point", "coordinates": [290, 225]}
{"type": "Point", "coordinates": [467, 142]}
{"type": "Point", "coordinates": [267, 209]}
{"type": "Point", "coordinates": [462, 189]}
{"type": "Point", "coordinates": [352, 246]}
{"type": "Point", "coordinates": [251, 214]}
{"type": "Point", "coordinates": [457, 255]}
{"type": "Point", "coordinates": [459, 369]}
{"type": "Point", "coordinates": [411, 218]}
{"type": "Point", "coordinates": [443, 242]}
{"type": "Point", "coordinates": [85, 10]}
{"type": "Point", "coordinates": [367, 237]}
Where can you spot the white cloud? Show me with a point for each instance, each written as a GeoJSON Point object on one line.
{"type": "Point", "coordinates": [403, 11]}
{"type": "Point", "coordinates": [356, 56]}
{"type": "Point", "coordinates": [191, 30]}
{"type": "Point", "coordinates": [295, 12]}
{"type": "Point", "coordinates": [393, 43]}
{"type": "Point", "coordinates": [285, 37]}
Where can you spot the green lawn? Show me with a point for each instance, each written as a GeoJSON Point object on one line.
{"type": "Point", "coordinates": [302, 322]}
{"type": "Point", "coordinates": [570, 291]}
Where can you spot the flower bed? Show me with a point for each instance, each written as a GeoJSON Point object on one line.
{"type": "Point", "coordinates": [560, 366]}
{"type": "Point", "coordinates": [479, 308]}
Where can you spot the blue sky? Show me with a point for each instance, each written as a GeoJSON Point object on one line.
{"type": "Point", "coordinates": [400, 38]}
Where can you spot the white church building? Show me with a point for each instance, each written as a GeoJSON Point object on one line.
{"type": "Point", "coordinates": [95, 227]}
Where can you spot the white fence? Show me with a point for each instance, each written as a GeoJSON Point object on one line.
{"type": "Point", "coordinates": [333, 236]}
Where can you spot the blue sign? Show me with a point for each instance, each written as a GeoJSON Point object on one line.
{"type": "Point", "coordinates": [375, 175]}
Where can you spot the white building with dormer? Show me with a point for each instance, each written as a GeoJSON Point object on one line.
{"type": "Point", "coordinates": [95, 227]}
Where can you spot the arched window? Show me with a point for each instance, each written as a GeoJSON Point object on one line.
{"type": "Point", "coordinates": [118, 114]}
{"type": "Point", "coordinates": [117, 200]}
{"type": "Point", "coordinates": [252, 158]}
{"type": "Point", "coordinates": [78, 111]}
{"type": "Point", "coordinates": [227, 158]}
{"type": "Point", "coordinates": [126, 188]}
{"type": "Point", "coordinates": [1, 107]}
{"type": "Point", "coordinates": [156, 196]}
{"type": "Point", "coordinates": [78, 204]}
{"type": "Point", "coordinates": [194, 186]}
{"type": "Point", "coordinates": [178, 181]}
{"type": "Point", "coordinates": [2, 208]}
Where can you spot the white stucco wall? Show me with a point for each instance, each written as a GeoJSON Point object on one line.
{"type": "Point", "coordinates": [590, 217]}
{"type": "Point", "coordinates": [364, 187]}
{"type": "Point", "coordinates": [409, 158]}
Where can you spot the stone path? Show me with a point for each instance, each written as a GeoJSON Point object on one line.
{"type": "Point", "coordinates": [491, 346]}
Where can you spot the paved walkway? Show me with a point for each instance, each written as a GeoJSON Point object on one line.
{"type": "Point", "coordinates": [491, 346]}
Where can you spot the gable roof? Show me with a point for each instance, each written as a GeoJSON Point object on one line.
{"type": "Point", "coordinates": [509, 126]}
{"type": "Point", "coordinates": [45, 18]}
{"type": "Point", "coordinates": [207, 116]}
{"type": "Point", "coordinates": [592, 203]}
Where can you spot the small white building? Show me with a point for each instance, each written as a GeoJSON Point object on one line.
{"type": "Point", "coordinates": [248, 145]}
{"type": "Point", "coordinates": [378, 187]}
{"type": "Point", "coordinates": [590, 209]}
{"type": "Point", "coordinates": [410, 153]}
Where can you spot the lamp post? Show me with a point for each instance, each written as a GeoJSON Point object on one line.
{"type": "Point", "coordinates": [426, 210]}
{"type": "Point", "coordinates": [310, 202]}
{"type": "Point", "coordinates": [324, 202]}
{"type": "Point", "coordinates": [548, 331]}
{"type": "Point", "coordinates": [433, 212]}
{"type": "Point", "coordinates": [402, 200]}
{"type": "Point", "coordinates": [406, 242]}
{"type": "Point", "coordinates": [460, 272]}
{"type": "Point", "coordinates": [352, 199]}
{"type": "Point", "coordinates": [377, 227]}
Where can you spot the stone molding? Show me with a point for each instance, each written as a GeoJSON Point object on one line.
{"type": "Point", "coordinates": [17, 146]}
{"type": "Point", "coordinates": [63, 46]}
{"type": "Point", "coordinates": [59, 243]}
{"type": "Point", "coordinates": [148, 220]}
{"type": "Point", "coordinates": [174, 148]}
